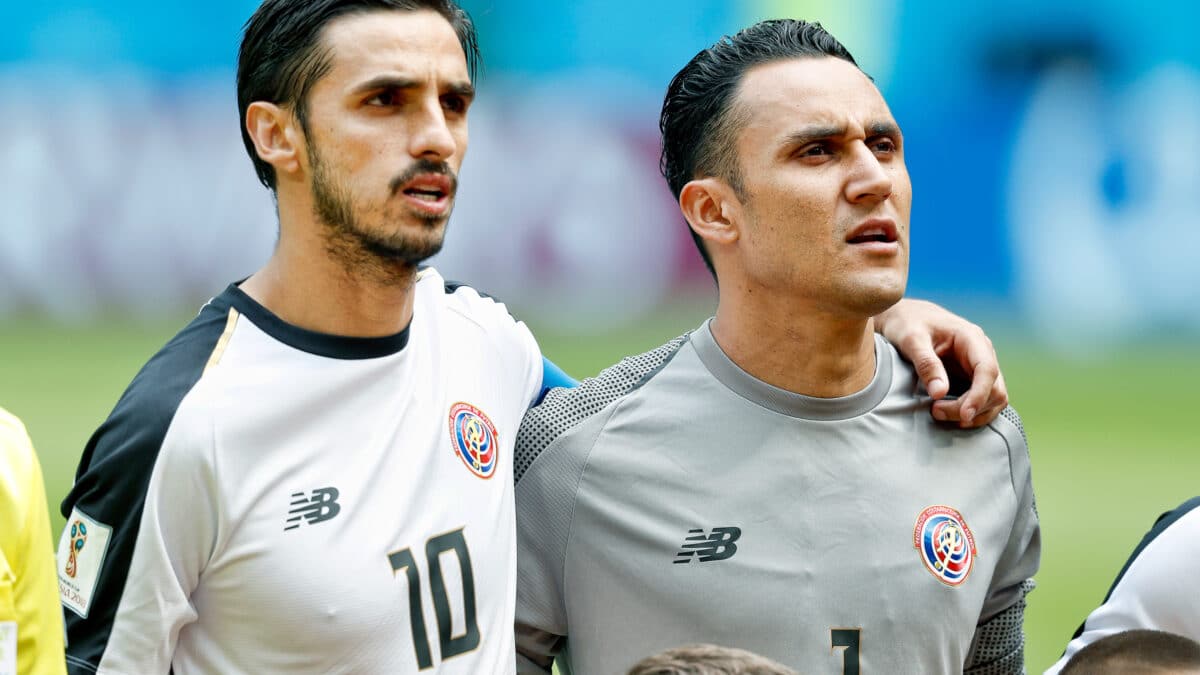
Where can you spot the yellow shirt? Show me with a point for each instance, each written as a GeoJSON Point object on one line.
{"type": "Point", "coordinates": [29, 603]}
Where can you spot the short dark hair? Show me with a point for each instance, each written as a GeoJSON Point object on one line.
{"type": "Point", "coordinates": [705, 659]}
{"type": "Point", "coordinates": [281, 57]}
{"type": "Point", "coordinates": [1143, 651]}
{"type": "Point", "coordinates": [698, 123]}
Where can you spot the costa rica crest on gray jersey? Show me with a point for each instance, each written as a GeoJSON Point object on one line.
{"type": "Point", "coordinates": [653, 462]}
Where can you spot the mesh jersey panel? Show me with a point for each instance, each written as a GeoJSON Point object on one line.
{"type": "Point", "coordinates": [1000, 643]}
{"type": "Point", "coordinates": [564, 408]}
{"type": "Point", "coordinates": [1010, 414]}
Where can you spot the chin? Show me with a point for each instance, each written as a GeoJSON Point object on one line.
{"type": "Point", "coordinates": [872, 300]}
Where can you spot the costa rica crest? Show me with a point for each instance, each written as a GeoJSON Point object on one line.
{"type": "Point", "coordinates": [474, 439]}
{"type": "Point", "coordinates": [946, 544]}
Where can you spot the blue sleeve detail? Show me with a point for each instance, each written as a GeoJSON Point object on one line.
{"type": "Point", "coordinates": [553, 376]}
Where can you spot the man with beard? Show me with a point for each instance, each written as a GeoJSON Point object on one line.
{"type": "Point", "coordinates": [315, 475]}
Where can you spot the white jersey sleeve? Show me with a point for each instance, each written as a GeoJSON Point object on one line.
{"type": "Point", "coordinates": [1156, 590]}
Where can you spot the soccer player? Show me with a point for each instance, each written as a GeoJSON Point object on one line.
{"type": "Point", "coordinates": [1158, 588]}
{"type": "Point", "coordinates": [31, 640]}
{"type": "Point", "coordinates": [315, 475]}
{"type": "Point", "coordinates": [770, 481]}
{"type": "Point", "coordinates": [1140, 651]}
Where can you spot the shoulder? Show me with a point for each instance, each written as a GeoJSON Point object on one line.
{"type": "Point", "coordinates": [564, 410]}
{"type": "Point", "coordinates": [137, 425]}
{"type": "Point", "coordinates": [15, 447]}
{"type": "Point", "coordinates": [17, 461]}
{"type": "Point", "coordinates": [1165, 559]}
{"type": "Point", "coordinates": [1157, 587]}
{"type": "Point", "coordinates": [465, 300]}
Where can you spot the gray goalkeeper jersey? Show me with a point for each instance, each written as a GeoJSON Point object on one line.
{"type": "Point", "coordinates": [675, 499]}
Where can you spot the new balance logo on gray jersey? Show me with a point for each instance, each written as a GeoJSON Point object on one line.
{"type": "Point", "coordinates": [321, 506]}
{"type": "Point", "coordinates": [706, 547]}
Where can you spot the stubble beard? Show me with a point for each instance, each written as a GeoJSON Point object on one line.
{"type": "Point", "coordinates": [387, 257]}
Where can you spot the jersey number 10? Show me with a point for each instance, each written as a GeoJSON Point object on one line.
{"type": "Point", "coordinates": [451, 645]}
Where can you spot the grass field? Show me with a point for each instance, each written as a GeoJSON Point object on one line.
{"type": "Point", "coordinates": [1113, 442]}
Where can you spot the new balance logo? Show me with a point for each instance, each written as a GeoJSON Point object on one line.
{"type": "Point", "coordinates": [706, 547]}
{"type": "Point", "coordinates": [321, 506]}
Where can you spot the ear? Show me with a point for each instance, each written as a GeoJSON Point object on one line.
{"type": "Point", "coordinates": [713, 211]}
{"type": "Point", "coordinates": [276, 136]}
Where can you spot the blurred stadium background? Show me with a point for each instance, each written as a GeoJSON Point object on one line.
{"type": "Point", "coordinates": [1053, 146]}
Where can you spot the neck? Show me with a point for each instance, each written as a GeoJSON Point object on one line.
{"type": "Point", "coordinates": [795, 346]}
{"type": "Point", "coordinates": [309, 286]}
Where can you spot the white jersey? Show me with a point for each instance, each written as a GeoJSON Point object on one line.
{"type": "Point", "coordinates": [1157, 589]}
{"type": "Point", "coordinates": [266, 499]}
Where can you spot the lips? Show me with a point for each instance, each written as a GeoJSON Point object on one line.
{"type": "Point", "coordinates": [875, 230]}
{"type": "Point", "coordinates": [430, 187]}
{"type": "Point", "coordinates": [428, 194]}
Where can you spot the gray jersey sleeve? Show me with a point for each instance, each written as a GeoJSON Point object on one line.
{"type": "Point", "coordinates": [550, 458]}
{"type": "Point", "coordinates": [999, 642]}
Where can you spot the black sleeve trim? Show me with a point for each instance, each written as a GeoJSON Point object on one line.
{"type": "Point", "coordinates": [117, 463]}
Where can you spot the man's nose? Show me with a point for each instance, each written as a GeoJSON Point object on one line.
{"type": "Point", "coordinates": [870, 179]}
{"type": "Point", "coordinates": [431, 135]}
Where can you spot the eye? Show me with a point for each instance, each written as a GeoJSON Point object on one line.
{"type": "Point", "coordinates": [385, 98]}
{"type": "Point", "coordinates": [815, 150]}
{"type": "Point", "coordinates": [883, 145]}
{"type": "Point", "coordinates": [454, 103]}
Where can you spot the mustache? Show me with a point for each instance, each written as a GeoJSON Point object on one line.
{"type": "Point", "coordinates": [423, 166]}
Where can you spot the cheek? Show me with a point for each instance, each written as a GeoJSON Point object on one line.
{"type": "Point", "coordinates": [462, 137]}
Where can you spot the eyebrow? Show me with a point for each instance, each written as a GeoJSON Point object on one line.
{"type": "Point", "coordinates": [821, 133]}
{"type": "Point", "coordinates": [883, 129]}
{"type": "Point", "coordinates": [464, 89]}
{"type": "Point", "coordinates": [810, 134]}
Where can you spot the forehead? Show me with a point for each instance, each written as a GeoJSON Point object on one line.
{"type": "Point", "coordinates": [783, 95]}
{"type": "Point", "coordinates": [418, 43]}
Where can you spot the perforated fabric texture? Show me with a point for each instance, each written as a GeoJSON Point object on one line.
{"type": "Point", "coordinates": [562, 409]}
{"type": "Point", "coordinates": [999, 646]}
{"type": "Point", "coordinates": [1009, 413]}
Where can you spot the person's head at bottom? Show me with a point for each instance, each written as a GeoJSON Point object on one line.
{"type": "Point", "coordinates": [704, 659]}
{"type": "Point", "coordinates": [1137, 652]}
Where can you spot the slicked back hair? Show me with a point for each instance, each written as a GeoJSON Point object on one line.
{"type": "Point", "coordinates": [706, 659]}
{"type": "Point", "coordinates": [282, 56]}
{"type": "Point", "coordinates": [1136, 651]}
{"type": "Point", "coordinates": [698, 121]}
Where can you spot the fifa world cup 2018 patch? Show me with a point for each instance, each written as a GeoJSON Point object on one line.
{"type": "Point", "coordinates": [946, 544]}
{"type": "Point", "coordinates": [81, 552]}
{"type": "Point", "coordinates": [473, 437]}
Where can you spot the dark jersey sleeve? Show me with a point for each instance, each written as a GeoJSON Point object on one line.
{"type": "Point", "coordinates": [105, 507]}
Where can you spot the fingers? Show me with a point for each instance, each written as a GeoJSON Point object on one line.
{"type": "Point", "coordinates": [918, 348]}
{"type": "Point", "coordinates": [932, 373]}
{"type": "Point", "coordinates": [986, 398]}
{"type": "Point", "coordinates": [987, 394]}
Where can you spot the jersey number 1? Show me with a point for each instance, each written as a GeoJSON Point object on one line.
{"type": "Point", "coordinates": [451, 645]}
{"type": "Point", "coordinates": [846, 638]}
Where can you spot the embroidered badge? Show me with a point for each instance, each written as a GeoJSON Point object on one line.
{"type": "Point", "coordinates": [474, 439]}
{"type": "Point", "coordinates": [946, 544]}
{"type": "Point", "coordinates": [81, 554]}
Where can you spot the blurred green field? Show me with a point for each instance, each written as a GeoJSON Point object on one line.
{"type": "Point", "coordinates": [1112, 440]}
